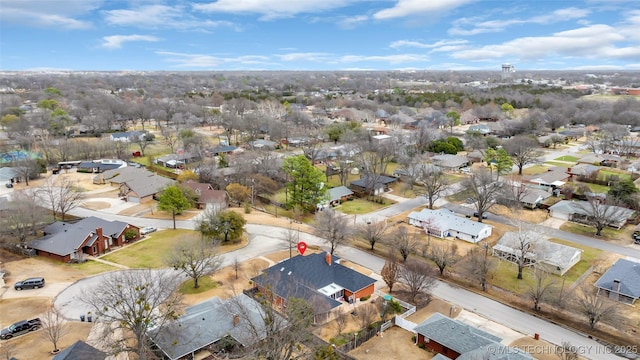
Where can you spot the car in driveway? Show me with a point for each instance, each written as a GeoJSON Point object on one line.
{"type": "Point", "coordinates": [31, 283]}
{"type": "Point", "coordinates": [147, 230]}
{"type": "Point", "coordinates": [484, 215]}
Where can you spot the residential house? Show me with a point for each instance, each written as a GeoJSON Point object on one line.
{"type": "Point", "coordinates": [482, 129]}
{"type": "Point", "coordinates": [175, 161]}
{"type": "Point", "coordinates": [451, 338]}
{"type": "Point", "coordinates": [621, 282]}
{"type": "Point", "coordinates": [582, 170]}
{"type": "Point", "coordinates": [127, 136]}
{"type": "Point", "coordinates": [532, 197]}
{"type": "Point", "coordinates": [553, 257]}
{"type": "Point", "coordinates": [116, 177]}
{"type": "Point", "coordinates": [450, 162]}
{"type": "Point", "coordinates": [239, 320]}
{"type": "Point", "coordinates": [93, 236]}
{"type": "Point", "coordinates": [371, 184]}
{"type": "Point", "coordinates": [9, 175]}
{"type": "Point", "coordinates": [80, 350]}
{"type": "Point", "coordinates": [144, 189]}
{"type": "Point", "coordinates": [221, 150]}
{"type": "Point", "coordinates": [444, 223]}
{"type": "Point", "coordinates": [475, 156]}
{"type": "Point", "coordinates": [263, 144]}
{"type": "Point", "coordinates": [578, 211]}
{"type": "Point", "coordinates": [207, 196]}
{"type": "Point", "coordinates": [335, 196]}
{"type": "Point", "coordinates": [319, 278]}
{"type": "Point", "coordinates": [553, 179]}
{"type": "Point", "coordinates": [601, 160]}
{"type": "Point", "coordinates": [99, 166]}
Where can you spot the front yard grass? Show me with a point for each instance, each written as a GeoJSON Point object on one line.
{"type": "Point", "coordinates": [555, 163]}
{"type": "Point", "coordinates": [362, 206]}
{"type": "Point", "coordinates": [91, 267]}
{"type": "Point", "coordinates": [535, 170]}
{"type": "Point", "coordinates": [152, 252]}
{"type": "Point", "coordinates": [567, 158]}
{"type": "Point", "coordinates": [205, 283]}
{"type": "Point", "coordinates": [597, 188]}
{"type": "Point", "coordinates": [607, 232]}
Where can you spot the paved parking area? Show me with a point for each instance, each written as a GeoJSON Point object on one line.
{"type": "Point", "coordinates": [508, 335]}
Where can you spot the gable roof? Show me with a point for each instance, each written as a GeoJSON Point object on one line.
{"type": "Point", "coordinates": [80, 350]}
{"type": "Point", "coordinates": [533, 195]}
{"type": "Point", "coordinates": [542, 250]}
{"type": "Point", "coordinates": [305, 276]}
{"type": "Point", "coordinates": [374, 181]}
{"type": "Point", "coordinates": [553, 177]}
{"type": "Point", "coordinates": [580, 207]}
{"type": "Point", "coordinates": [211, 320]}
{"type": "Point", "coordinates": [454, 334]}
{"type": "Point", "coordinates": [598, 158]}
{"type": "Point", "coordinates": [445, 219]}
{"type": "Point", "coordinates": [628, 273]}
{"type": "Point", "coordinates": [125, 174]}
{"type": "Point", "coordinates": [496, 352]}
{"type": "Point", "coordinates": [450, 161]}
{"type": "Point", "coordinates": [64, 238]}
{"type": "Point", "coordinates": [206, 194]}
{"type": "Point", "coordinates": [149, 185]}
{"type": "Point", "coordinates": [583, 169]}
{"type": "Point", "coordinates": [338, 192]}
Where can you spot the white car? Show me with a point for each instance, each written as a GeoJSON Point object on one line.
{"type": "Point", "coordinates": [147, 230]}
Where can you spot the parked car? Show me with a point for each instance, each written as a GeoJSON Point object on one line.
{"type": "Point", "coordinates": [31, 283]}
{"type": "Point", "coordinates": [20, 327]}
{"type": "Point", "coordinates": [484, 215]}
{"type": "Point", "coordinates": [147, 230]}
{"type": "Point", "coordinates": [9, 185]}
{"type": "Point", "coordinates": [636, 238]}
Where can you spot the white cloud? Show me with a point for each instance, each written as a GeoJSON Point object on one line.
{"type": "Point", "coordinates": [272, 9]}
{"type": "Point", "coordinates": [352, 21]}
{"type": "Point", "coordinates": [392, 59]}
{"type": "Point", "coordinates": [53, 13]}
{"type": "Point", "coordinates": [404, 8]}
{"type": "Point", "coordinates": [185, 60]}
{"type": "Point", "coordinates": [116, 41]}
{"type": "Point", "coordinates": [309, 56]}
{"type": "Point", "coordinates": [417, 44]}
{"type": "Point", "coordinates": [160, 16]}
{"type": "Point", "coordinates": [593, 42]}
{"type": "Point", "coordinates": [480, 27]}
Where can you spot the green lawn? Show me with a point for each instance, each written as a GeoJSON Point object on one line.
{"type": "Point", "coordinates": [586, 260]}
{"type": "Point", "coordinates": [362, 206]}
{"type": "Point", "coordinates": [535, 170]}
{"type": "Point", "coordinates": [91, 267]}
{"type": "Point", "coordinates": [460, 196]}
{"type": "Point", "coordinates": [604, 174]}
{"type": "Point", "coordinates": [596, 188]}
{"type": "Point", "coordinates": [555, 163]}
{"type": "Point", "coordinates": [205, 283]}
{"type": "Point", "coordinates": [505, 276]}
{"type": "Point", "coordinates": [152, 252]}
{"type": "Point", "coordinates": [607, 232]}
{"type": "Point", "coordinates": [567, 158]}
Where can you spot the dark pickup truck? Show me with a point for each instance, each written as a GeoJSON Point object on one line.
{"type": "Point", "coordinates": [19, 328]}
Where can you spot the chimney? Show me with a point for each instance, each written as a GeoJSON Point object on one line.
{"type": "Point", "coordinates": [616, 285]}
{"type": "Point", "coordinates": [327, 258]}
{"type": "Point", "coordinates": [99, 232]}
{"type": "Point", "coordinates": [236, 319]}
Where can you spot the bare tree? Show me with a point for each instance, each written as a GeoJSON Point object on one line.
{"type": "Point", "coordinates": [333, 227]}
{"type": "Point", "coordinates": [27, 169]}
{"type": "Point", "coordinates": [434, 182]}
{"type": "Point", "coordinates": [143, 141]}
{"type": "Point", "coordinates": [404, 241]}
{"type": "Point", "coordinates": [195, 257]}
{"type": "Point", "coordinates": [484, 191]}
{"type": "Point", "coordinates": [373, 232]}
{"type": "Point", "coordinates": [367, 313]}
{"type": "Point", "coordinates": [291, 237]}
{"type": "Point", "coordinates": [539, 287]}
{"type": "Point", "coordinates": [170, 137]}
{"type": "Point", "coordinates": [479, 264]}
{"type": "Point", "coordinates": [133, 302]}
{"type": "Point", "coordinates": [23, 216]}
{"type": "Point", "coordinates": [54, 326]}
{"type": "Point", "coordinates": [61, 196]}
{"type": "Point", "coordinates": [523, 249]}
{"type": "Point", "coordinates": [598, 213]}
{"type": "Point", "coordinates": [443, 255]}
{"type": "Point", "coordinates": [418, 276]}
{"type": "Point", "coordinates": [593, 306]}
{"type": "Point", "coordinates": [524, 150]}
{"type": "Point", "coordinates": [341, 320]}
{"type": "Point", "coordinates": [390, 273]}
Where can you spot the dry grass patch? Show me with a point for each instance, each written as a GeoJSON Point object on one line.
{"type": "Point", "coordinates": [393, 344]}
{"type": "Point", "coordinates": [34, 345]}
{"type": "Point", "coordinates": [96, 205]}
{"type": "Point", "coordinates": [539, 349]}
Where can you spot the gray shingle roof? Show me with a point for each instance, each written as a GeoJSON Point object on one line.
{"type": "Point", "coordinates": [149, 185]}
{"type": "Point", "coordinates": [338, 192]}
{"type": "Point", "coordinates": [554, 177]}
{"type": "Point", "coordinates": [450, 161]}
{"type": "Point", "coordinates": [581, 207]}
{"type": "Point", "coordinates": [542, 250]}
{"type": "Point", "coordinates": [305, 275]}
{"type": "Point", "coordinates": [495, 352]}
{"type": "Point", "coordinates": [209, 321]}
{"type": "Point", "coordinates": [369, 181]}
{"type": "Point", "coordinates": [80, 351]}
{"type": "Point", "coordinates": [65, 238]}
{"type": "Point", "coordinates": [454, 334]}
{"type": "Point", "coordinates": [125, 174]}
{"type": "Point", "coordinates": [628, 272]}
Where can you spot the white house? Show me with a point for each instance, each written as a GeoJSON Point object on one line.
{"type": "Point", "coordinates": [444, 223]}
{"type": "Point", "coordinates": [555, 258]}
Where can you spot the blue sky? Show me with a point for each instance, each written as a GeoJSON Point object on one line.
{"type": "Point", "coordinates": [319, 34]}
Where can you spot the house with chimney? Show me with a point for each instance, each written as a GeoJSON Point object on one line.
{"type": "Point", "coordinates": [207, 196]}
{"type": "Point", "coordinates": [621, 282]}
{"type": "Point", "coordinates": [90, 236]}
{"type": "Point", "coordinates": [319, 278]}
{"type": "Point", "coordinates": [444, 223]}
{"type": "Point", "coordinates": [214, 324]}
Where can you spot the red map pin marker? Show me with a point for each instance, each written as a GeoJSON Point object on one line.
{"type": "Point", "coordinates": [302, 247]}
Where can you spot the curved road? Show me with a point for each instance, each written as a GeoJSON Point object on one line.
{"type": "Point", "coordinates": [265, 239]}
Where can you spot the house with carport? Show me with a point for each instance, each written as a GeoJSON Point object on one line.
{"type": "Point", "coordinates": [579, 211]}
{"type": "Point", "coordinates": [444, 223]}
{"type": "Point", "coordinates": [553, 179]}
{"type": "Point", "coordinates": [336, 196]}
